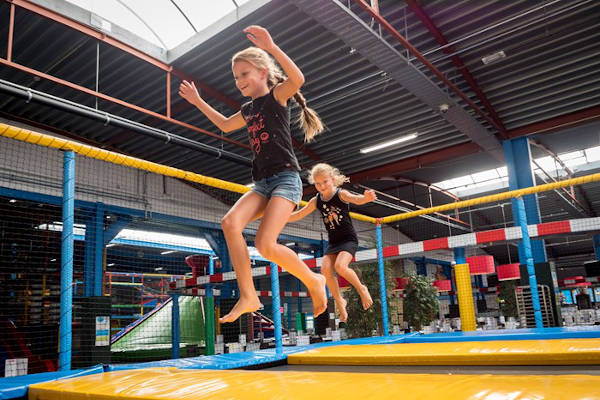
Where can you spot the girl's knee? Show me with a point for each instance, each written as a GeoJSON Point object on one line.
{"type": "Point", "coordinates": [230, 223]}
{"type": "Point", "coordinates": [341, 268]}
{"type": "Point", "coordinates": [265, 247]}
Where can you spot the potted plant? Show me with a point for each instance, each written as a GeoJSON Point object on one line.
{"type": "Point", "coordinates": [362, 323]}
{"type": "Point", "coordinates": [421, 303]}
{"type": "Point", "coordinates": [508, 299]}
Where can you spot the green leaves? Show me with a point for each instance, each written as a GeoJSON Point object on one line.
{"type": "Point", "coordinates": [421, 303]}
{"type": "Point", "coordinates": [508, 299]}
{"type": "Point", "coordinates": [362, 323]}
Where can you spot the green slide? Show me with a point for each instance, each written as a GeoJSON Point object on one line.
{"type": "Point", "coordinates": [149, 338]}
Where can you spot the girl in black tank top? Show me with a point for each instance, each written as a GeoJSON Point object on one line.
{"type": "Point", "coordinates": [274, 165]}
{"type": "Point", "coordinates": [334, 205]}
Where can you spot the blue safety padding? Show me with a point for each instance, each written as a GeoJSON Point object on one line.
{"type": "Point", "coordinates": [219, 361]}
{"type": "Point", "coordinates": [572, 332]}
{"type": "Point", "coordinates": [15, 387]}
{"type": "Point", "coordinates": [246, 359]}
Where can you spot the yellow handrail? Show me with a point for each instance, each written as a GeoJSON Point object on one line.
{"type": "Point", "coordinates": [495, 197]}
{"type": "Point", "coordinates": [45, 140]}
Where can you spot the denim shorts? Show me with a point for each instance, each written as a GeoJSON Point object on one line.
{"type": "Point", "coordinates": [286, 184]}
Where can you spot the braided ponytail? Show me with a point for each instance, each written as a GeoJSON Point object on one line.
{"type": "Point", "coordinates": [309, 120]}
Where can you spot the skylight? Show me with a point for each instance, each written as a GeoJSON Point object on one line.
{"type": "Point", "coordinates": [497, 178]}
{"type": "Point", "coordinates": [165, 23]}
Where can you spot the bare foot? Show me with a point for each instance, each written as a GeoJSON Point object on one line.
{"type": "Point", "coordinates": [365, 297]}
{"type": "Point", "coordinates": [244, 305]}
{"type": "Point", "coordinates": [343, 312]}
{"type": "Point", "coordinates": [318, 295]}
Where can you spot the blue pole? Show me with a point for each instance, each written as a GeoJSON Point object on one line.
{"type": "Point", "coordinates": [211, 271]}
{"type": "Point", "coordinates": [276, 308]}
{"type": "Point", "coordinates": [289, 303]}
{"type": "Point", "coordinates": [209, 323]}
{"type": "Point", "coordinates": [99, 250]}
{"type": "Point", "coordinates": [66, 271]}
{"type": "Point", "coordinates": [522, 219]}
{"type": "Point", "coordinates": [517, 153]}
{"type": "Point", "coordinates": [382, 288]}
{"type": "Point", "coordinates": [88, 266]}
{"type": "Point", "coordinates": [299, 303]}
{"type": "Point", "coordinates": [459, 258]}
{"type": "Point", "coordinates": [175, 326]}
{"type": "Point", "coordinates": [597, 246]}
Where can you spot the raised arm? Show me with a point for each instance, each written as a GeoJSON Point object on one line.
{"type": "Point", "coordinates": [304, 211]}
{"type": "Point", "coordinates": [189, 92]}
{"type": "Point", "coordinates": [358, 199]}
{"type": "Point", "coordinates": [295, 79]}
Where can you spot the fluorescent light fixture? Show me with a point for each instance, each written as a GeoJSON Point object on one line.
{"type": "Point", "coordinates": [290, 244]}
{"type": "Point", "coordinates": [110, 265]}
{"type": "Point", "coordinates": [163, 238]}
{"type": "Point", "coordinates": [111, 244]}
{"type": "Point", "coordinates": [54, 259]}
{"type": "Point", "coordinates": [490, 58]}
{"type": "Point", "coordinates": [12, 201]}
{"type": "Point", "coordinates": [388, 143]}
{"type": "Point", "coordinates": [168, 252]}
{"type": "Point", "coordinates": [56, 226]}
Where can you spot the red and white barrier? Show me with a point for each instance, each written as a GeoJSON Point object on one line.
{"type": "Point", "coordinates": [576, 281]}
{"type": "Point", "coordinates": [260, 293]}
{"type": "Point", "coordinates": [408, 249]}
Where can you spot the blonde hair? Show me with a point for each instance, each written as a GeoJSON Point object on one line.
{"type": "Point", "coordinates": [338, 178]}
{"type": "Point", "coordinates": [309, 121]}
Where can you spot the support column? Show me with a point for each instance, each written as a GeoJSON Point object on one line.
{"type": "Point", "coordinates": [99, 250]}
{"type": "Point", "coordinates": [288, 288]}
{"type": "Point", "coordinates": [459, 258]}
{"type": "Point", "coordinates": [66, 271]}
{"type": "Point", "coordinates": [209, 312]}
{"type": "Point", "coordinates": [520, 175]}
{"type": "Point", "coordinates": [421, 265]}
{"type": "Point", "coordinates": [175, 333]}
{"type": "Point", "coordinates": [94, 252]}
{"type": "Point", "coordinates": [465, 297]}
{"type": "Point", "coordinates": [217, 242]}
{"type": "Point", "coordinates": [528, 254]}
{"type": "Point", "coordinates": [597, 246]}
{"type": "Point", "coordinates": [382, 282]}
{"type": "Point", "coordinates": [276, 308]}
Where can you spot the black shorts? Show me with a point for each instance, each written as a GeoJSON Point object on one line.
{"type": "Point", "coordinates": [350, 247]}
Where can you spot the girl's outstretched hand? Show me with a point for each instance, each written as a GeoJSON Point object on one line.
{"type": "Point", "coordinates": [370, 195]}
{"type": "Point", "coordinates": [260, 37]}
{"type": "Point", "coordinates": [189, 92]}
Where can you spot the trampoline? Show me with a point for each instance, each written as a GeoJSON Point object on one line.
{"type": "Point", "coordinates": [558, 363]}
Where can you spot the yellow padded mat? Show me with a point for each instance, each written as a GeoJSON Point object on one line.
{"type": "Point", "coordinates": [170, 383]}
{"type": "Point", "coordinates": [500, 352]}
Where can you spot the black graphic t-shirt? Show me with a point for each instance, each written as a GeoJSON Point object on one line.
{"type": "Point", "coordinates": [269, 133]}
{"type": "Point", "coordinates": [336, 216]}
